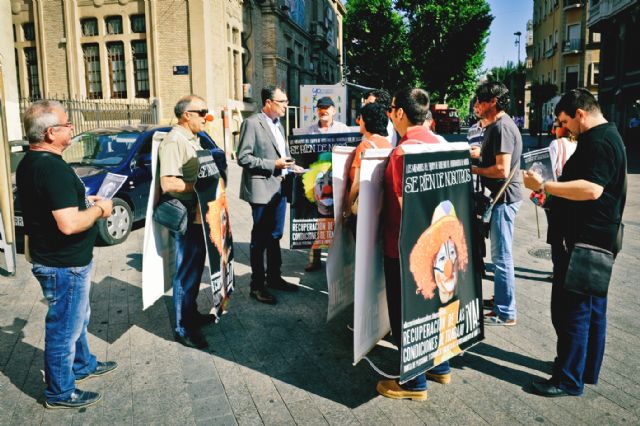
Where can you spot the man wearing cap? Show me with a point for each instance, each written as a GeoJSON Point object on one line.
{"type": "Point", "coordinates": [263, 155]}
{"type": "Point", "coordinates": [178, 174]}
{"type": "Point", "coordinates": [326, 124]}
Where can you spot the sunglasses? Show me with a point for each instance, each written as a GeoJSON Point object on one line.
{"type": "Point", "coordinates": [67, 124]}
{"type": "Point", "coordinates": [201, 112]}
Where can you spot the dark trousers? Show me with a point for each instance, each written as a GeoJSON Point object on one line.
{"type": "Point", "coordinates": [190, 257]}
{"type": "Point", "coordinates": [580, 322]}
{"type": "Point", "coordinates": [394, 299]}
{"type": "Point", "coordinates": [268, 226]}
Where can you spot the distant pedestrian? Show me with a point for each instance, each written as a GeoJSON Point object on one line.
{"type": "Point", "coordinates": [60, 222]}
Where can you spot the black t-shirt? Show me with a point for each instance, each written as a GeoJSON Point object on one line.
{"type": "Point", "coordinates": [46, 183]}
{"type": "Point", "coordinates": [600, 158]}
{"type": "Point", "coordinates": [503, 137]}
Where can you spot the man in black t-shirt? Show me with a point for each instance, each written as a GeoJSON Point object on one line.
{"type": "Point", "coordinates": [587, 202]}
{"type": "Point", "coordinates": [498, 157]}
{"type": "Point", "coordinates": [60, 225]}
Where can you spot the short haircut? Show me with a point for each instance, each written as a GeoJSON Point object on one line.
{"type": "Point", "coordinates": [268, 92]}
{"type": "Point", "coordinates": [577, 99]}
{"type": "Point", "coordinates": [489, 90]}
{"type": "Point", "coordinates": [382, 97]}
{"type": "Point", "coordinates": [375, 118]}
{"type": "Point", "coordinates": [414, 102]}
{"type": "Point", "coordinates": [429, 116]}
{"type": "Point", "coordinates": [184, 103]}
{"type": "Point", "coordinates": [40, 116]}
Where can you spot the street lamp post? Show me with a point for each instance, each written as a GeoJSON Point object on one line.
{"type": "Point", "coordinates": [518, 34]}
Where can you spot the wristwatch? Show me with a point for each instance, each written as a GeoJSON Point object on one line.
{"type": "Point", "coordinates": [542, 186]}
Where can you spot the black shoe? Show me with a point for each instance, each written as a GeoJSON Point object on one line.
{"type": "Point", "coordinates": [263, 296]}
{"type": "Point", "coordinates": [78, 399]}
{"type": "Point", "coordinates": [548, 389]}
{"type": "Point", "coordinates": [488, 303]}
{"type": "Point", "coordinates": [192, 340]}
{"type": "Point", "coordinates": [280, 284]}
{"type": "Point", "coordinates": [101, 369]}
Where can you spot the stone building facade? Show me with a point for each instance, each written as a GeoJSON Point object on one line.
{"type": "Point", "coordinates": [619, 90]}
{"type": "Point", "coordinates": [223, 50]}
{"type": "Point", "coordinates": [561, 50]}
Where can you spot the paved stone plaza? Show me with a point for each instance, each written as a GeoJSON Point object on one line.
{"type": "Point", "coordinates": [284, 364]}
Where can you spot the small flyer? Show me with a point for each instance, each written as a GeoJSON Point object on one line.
{"type": "Point", "coordinates": [539, 161]}
{"type": "Point", "coordinates": [111, 185]}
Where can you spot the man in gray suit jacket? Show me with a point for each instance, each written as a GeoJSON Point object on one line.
{"type": "Point", "coordinates": [264, 156]}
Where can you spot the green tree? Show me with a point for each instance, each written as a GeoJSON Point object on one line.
{"type": "Point", "coordinates": [447, 39]}
{"type": "Point", "coordinates": [376, 45]}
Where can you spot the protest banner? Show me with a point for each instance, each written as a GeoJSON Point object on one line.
{"type": "Point", "coordinates": [539, 161]}
{"type": "Point", "coordinates": [216, 226]}
{"type": "Point", "coordinates": [370, 314]}
{"type": "Point", "coordinates": [312, 196]}
{"type": "Point", "coordinates": [441, 294]}
{"type": "Point", "coordinates": [341, 255]}
{"type": "Point", "coordinates": [309, 95]}
{"type": "Point", "coordinates": [158, 254]}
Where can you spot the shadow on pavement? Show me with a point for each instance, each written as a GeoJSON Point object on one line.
{"type": "Point", "coordinates": [15, 354]}
{"type": "Point", "coordinates": [289, 342]}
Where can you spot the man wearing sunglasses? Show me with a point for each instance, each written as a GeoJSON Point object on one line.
{"type": "Point", "coordinates": [178, 174]}
{"type": "Point", "coordinates": [499, 155]}
{"type": "Point", "coordinates": [264, 156]}
{"type": "Point", "coordinates": [60, 222]}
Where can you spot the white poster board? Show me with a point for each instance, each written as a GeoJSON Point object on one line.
{"type": "Point", "coordinates": [158, 255]}
{"type": "Point", "coordinates": [309, 95]}
{"type": "Point", "coordinates": [341, 255]}
{"type": "Point", "coordinates": [371, 317]}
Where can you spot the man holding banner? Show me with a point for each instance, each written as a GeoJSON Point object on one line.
{"type": "Point", "coordinates": [409, 108]}
{"type": "Point", "coordinates": [179, 167]}
{"type": "Point", "coordinates": [264, 156]}
{"type": "Point", "coordinates": [326, 124]}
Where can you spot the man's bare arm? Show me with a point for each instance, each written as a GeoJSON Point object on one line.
{"type": "Point", "coordinates": [71, 220]}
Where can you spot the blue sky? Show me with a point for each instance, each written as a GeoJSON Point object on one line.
{"type": "Point", "coordinates": [509, 16]}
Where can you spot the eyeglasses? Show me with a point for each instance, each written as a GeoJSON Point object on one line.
{"type": "Point", "coordinates": [281, 101]}
{"type": "Point", "coordinates": [392, 107]}
{"type": "Point", "coordinates": [67, 124]}
{"type": "Point", "coordinates": [201, 112]}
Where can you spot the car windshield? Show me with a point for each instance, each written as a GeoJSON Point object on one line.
{"type": "Point", "coordinates": [100, 149]}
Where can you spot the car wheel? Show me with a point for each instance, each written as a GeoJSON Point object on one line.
{"type": "Point", "coordinates": [117, 227]}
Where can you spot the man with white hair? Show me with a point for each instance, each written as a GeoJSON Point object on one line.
{"type": "Point", "coordinates": [60, 223]}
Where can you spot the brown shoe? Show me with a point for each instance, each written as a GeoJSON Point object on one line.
{"type": "Point", "coordinates": [391, 389]}
{"type": "Point", "coordinates": [312, 266]}
{"type": "Point", "coordinates": [493, 319]}
{"type": "Point", "coordinates": [263, 296]}
{"type": "Point", "coordinates": [444, 379]}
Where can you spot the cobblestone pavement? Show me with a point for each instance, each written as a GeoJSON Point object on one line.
{"type": "Point", "coordinates": [284, 364]}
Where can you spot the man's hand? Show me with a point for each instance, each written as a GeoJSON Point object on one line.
{"type": "Point", "coordinates": [106, 206]}
{"type": "Point", "coordinates": [532, 180]}
{"type": "Point", "coordinates": [475, 151]}
{"type": "Point", "coordinates": [281, 163]}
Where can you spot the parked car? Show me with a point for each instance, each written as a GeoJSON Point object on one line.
{"type": "Point", "coordinates": [446, 119]}
{"type": "Point", "coordinates": [124, 151]}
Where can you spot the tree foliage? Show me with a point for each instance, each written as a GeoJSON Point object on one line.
{"type": "Point", "coordinates": [376, 45]}
{"type": "Point", "coordinates": [435, 44]}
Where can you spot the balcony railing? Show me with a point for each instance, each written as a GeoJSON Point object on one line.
{"type": "Point", "coordinates": [571, 4]}
{"type": "Point", "coordinates": [550, 52]}
{"type": "Point", "coordinates": [573, 45]}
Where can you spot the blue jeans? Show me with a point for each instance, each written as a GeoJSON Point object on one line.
{"type": "Point", "coordinates": [66, 350]}
{"type": "Point", "coordinates": [190, 257]}
{"type": "Point", "coordinates": [580, 322]}
{"type": "Point", "coordinates": [268, 227]}
{"type": "Point", "coordinates": [504, 281]}
{"type": "Point", "coordinates": [394, 301]}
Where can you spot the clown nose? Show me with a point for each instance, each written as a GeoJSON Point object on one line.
{"type": "Point", "coordinates": [208, 117]}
